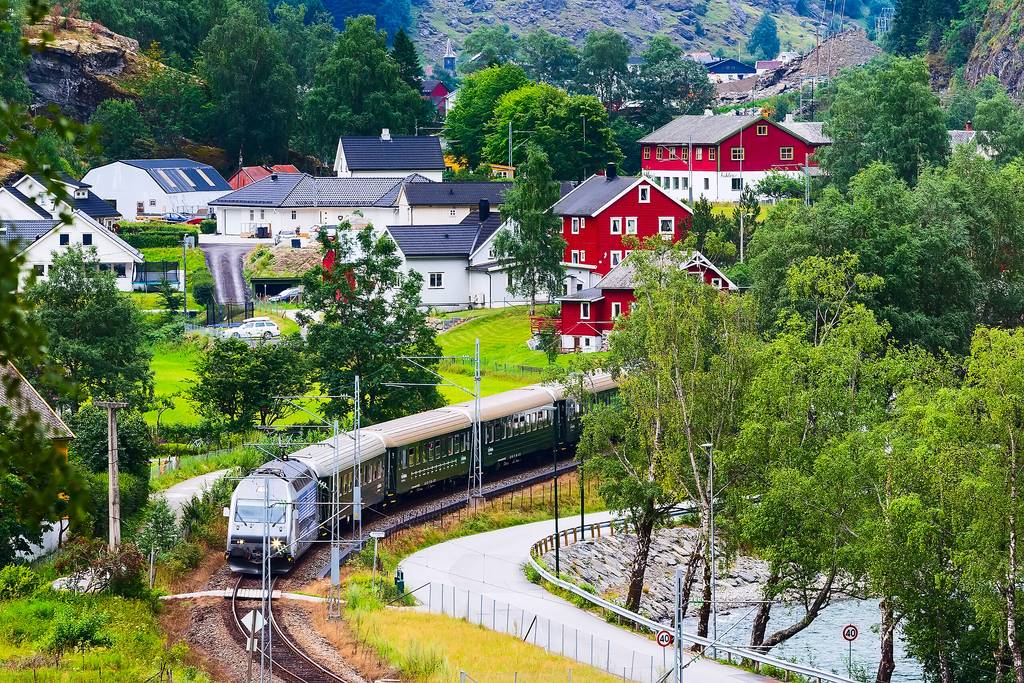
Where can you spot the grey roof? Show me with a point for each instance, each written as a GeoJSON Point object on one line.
{"type": "Point", "coordinates": [623, 276]}
{"type": "Point", "coordinates": [589, 294]}
{"type": "Point", "coordinates": [66, 179]}
{"type": "Point", "coordinates": [460, 239]}
{"type": "Point", "coordinates": [28, 201]}
{"type": "Point", "coordinates": [456, 194]}
{"type": "Point", "coordinates": [26, 399]}
{"type": "Point", "coordinates": [591, 195]}
{"type": "Point", "coordinates": [961, 137]}
{"type": "Point", "coordinates": [810, 131]}
{"type": "Point", "coordinates": [730, 66]}
{"type": "Point", "coordinates": [95, 207]}
{"type": "Point", "coordinates": [701, 130]}
{"type": "Point", "coordinates": [25, 232]}
{"type": "Point", "coordinates": [175, 176]}
{"type": "Point", "coordinates": [401, 152]}
{"type": "Point", "coordinates": [304, 190]}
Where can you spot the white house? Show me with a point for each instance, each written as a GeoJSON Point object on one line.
{"type": "Point", "coordinates": [301, 201]}
{"type": "Point", "coordinates": [27, 195]}
{"type": "Point", "coordinates": [446, 203]}
{"type": "Point", "coordinates": [150, 187]}
{"type": "Point", "coordinates": [41, 239]}
{"type": "Point", "coordinates": [389, 156]}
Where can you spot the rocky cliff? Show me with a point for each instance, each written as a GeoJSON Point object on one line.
{"type": "Point", "coordinates": [999, 47]}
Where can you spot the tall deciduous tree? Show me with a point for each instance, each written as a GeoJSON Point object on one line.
{"type": "Point", "coordinates": [764, 39]}
{"type": "Point", "coordinates": [95, 332]}
{"type": "Point", "coordinates": [357, 91]}
{"type": "Point", "coordinates": [366, 315]}
{"type": "Point", "coordinates": [252, 87]}
{"type": "Point", "coordinates": [885, 112]}
{"type": "Point", "coordinates": [122, 132]}
{"type": "Point", "coordinates": [474, 107]}
{"type": "Point", "coordinates": [548, 58]}
{"type": "Point", "coordinates": [667, 85]}
{"type": "Point", "coordinates": [531, 249]}
{"type": "Point", "coordinates": [307, 38]}
{"type": "Point", "coordinates": [604, 64]}
{"type": "Point", "coordinates": [487, 46]}
{"type": "Point", "coordinates": [13, 62]}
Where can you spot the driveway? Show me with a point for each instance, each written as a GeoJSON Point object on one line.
{"type": "Point", "coordinates": [182, 492]}
{"type": "Point", "coordinates": [225, 264]}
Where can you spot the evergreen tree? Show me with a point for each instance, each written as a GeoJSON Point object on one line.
{"type": "Point", "coordinates": [532, 249]}
{"type": "Point", "coordinates": [13, 85]}
{"type": "Point", "coordinates": [405, 55]}
{"type": "Point", "coordinates": [121, 132]}
{"type": "Point", "coordinates": [764, 39]}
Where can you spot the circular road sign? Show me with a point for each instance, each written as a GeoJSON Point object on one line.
{"type": "Point", "coordinates": [850, 633]}
{"type": "Point", "coordinates": [665, 638]}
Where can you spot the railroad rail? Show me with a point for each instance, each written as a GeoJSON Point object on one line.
{"type": "Point", "coordinates": [289, 661]}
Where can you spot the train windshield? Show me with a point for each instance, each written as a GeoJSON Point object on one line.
{"type": "Point", "coordinates": [257, 514]}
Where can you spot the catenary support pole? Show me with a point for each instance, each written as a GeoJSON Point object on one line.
{"type": "Point", "coordinates": [113, 482]}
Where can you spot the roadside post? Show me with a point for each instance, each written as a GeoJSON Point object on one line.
{"type": "Point", "coordinates": [677, 666]}
{"type": "Point", "coordinates": [376, 536]}
{"type": "Point", "coordinates": [850, 633]}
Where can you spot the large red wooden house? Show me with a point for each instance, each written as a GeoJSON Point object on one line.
{"type": "Point", "coordinates": [589, 315]}
{"type": "Point", "coordinates": [718, 155]}
{"type": "Point", "coordinates": [601, 212]}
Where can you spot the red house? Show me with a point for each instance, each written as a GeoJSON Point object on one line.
{"type": "Point", "coordinates": [437, 92]}
{"type": "Point", "coordinates": [599, 213]}
{"type": "Point", "coordinates": [589, 315]}
{"type": "Point", "coordinates": [250, 174]}
{"type": "Point", "coordinates": [716, 156]}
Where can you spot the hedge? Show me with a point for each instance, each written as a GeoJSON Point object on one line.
{"type": "Point", "coordinates": [126, 228]}
{"type": "Point", "coordinates": [147, 235]}
{"type": "Point", "coordinates": [153, 239]}
{"type": "Point", "coordinates": [208, 227]}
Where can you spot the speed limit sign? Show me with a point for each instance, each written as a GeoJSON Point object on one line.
{"type": "Point", "coordinates": [850, 633]}
{"type": "Point", "coordinates": [664, 638]}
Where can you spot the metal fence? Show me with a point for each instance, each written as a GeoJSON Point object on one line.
{"type": "Point", "coordinates": [219, 314]}
{"type": "Point", "coordinates": [536, 629]}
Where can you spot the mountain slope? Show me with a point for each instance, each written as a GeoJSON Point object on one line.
{"type": "Point", "coordinates": [724, 23]}
{"type": "Point", "coordinates": [997, 49]}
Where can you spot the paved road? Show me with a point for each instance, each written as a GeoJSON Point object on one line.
{"type": "Point", "coordinates": [491, 565]}
{"type": "Point", "coordinates": [225, 264]}
{"type": "Point", "coordinates": [181, 493]}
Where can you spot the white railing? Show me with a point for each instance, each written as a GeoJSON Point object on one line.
{"type": "Point", "coordinates": [548, 543]}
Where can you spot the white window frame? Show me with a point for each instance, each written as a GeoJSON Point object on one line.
{"type": "Point", "coordinates": [733, 185]}
{"type": "Point", "coordinates": [698, 154]}
{"type": "Point", "coordinates": [738, 154]}
{"type": "Point", "coordinates": [616, 309]}
{"type": "Point", "coordinates": [707, 183]}
{"type": "Point", "coordinates": [785, 154]}
{"type": "Point", "coordinates": [574, 256]}
{"type": "Point", "coordinates": [675, 182]}
{"type": "Point", "coordinates": [631, 225]}
{"type": "Point", "coordinates": [584, 310]}
{"type": "Point", "coordinates": [431, 280]}
{"type": "Point", "coordinates": [615, 257]}
{"type": "Point", "coordinates": [672, 154]}
{"type": "Point", "coordinates": [575, 225]}
{"type": "Point", "coordinates": [647, 152]}
{"type": "Point", "coordinates": [452, 211]}
{"type": "Point", "coordinates": [295, 215]}
{"type": "Point", "coordinates": [583, 255]}
{"type": "Point", "coordinates": [762, 129]}
{"type": "Point", "coordinates": [712, 154]}
{"type": "Point", "coordinates": [659, 154]}
{"type": "Point", "coordinates": [716, 282]}
{"type": "Point", "coordinates": [661, 230]}
{"type": "Point", "coordinates": [644, 194]}
{"type": "Point", "coordinates": [615, 225]}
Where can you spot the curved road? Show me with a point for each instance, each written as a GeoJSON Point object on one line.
{"type": "Point", "coordinates": [225, 263]}
{"type": "Point", "coordinates": [491, 565]}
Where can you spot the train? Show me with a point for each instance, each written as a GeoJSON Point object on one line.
{"type": "Point", "coordinates": [288, 499]}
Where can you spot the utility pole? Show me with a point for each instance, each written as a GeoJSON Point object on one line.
{"type": "Point", "coordinates": [710, 449]}
{"type": "Point", "coordinates": [184, 277]}
{"type": "Point", "coordinates": [357, 481]}
{"type": "Point", "coordinates": [677, 651]}
{"type": "Point", "coordinates": [743, 154]}
{"type": "Point", "coordinates": [807, 179]}
{"type": "Point", "coordinates": [689, 166]}
{"type": "Point", "coordinates": [113, 487]}
{"type": "Point", "coordinates": [477, 472]}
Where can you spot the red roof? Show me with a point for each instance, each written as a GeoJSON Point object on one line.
{"type": "Point", "coordinates": [250, 174]}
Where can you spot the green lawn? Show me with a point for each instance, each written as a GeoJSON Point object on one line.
{"type": "Point", "coordinates": [195, 262]}
{"type": "Point", "coordinates": [172, 372]}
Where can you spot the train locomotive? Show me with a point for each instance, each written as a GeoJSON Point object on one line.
{"type": "Point", "coordinates": [288, 499]}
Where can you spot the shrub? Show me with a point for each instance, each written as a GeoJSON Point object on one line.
{"type": "Point", "coordinates": [73, 630]}
{"type": "Point", "coordinates": [208, 227]}
{"type": "Point", "coordinates": [184, 557]}
{"type": "Point", "coordinates": [203, 290]}
{"type": "Point", "coordinates": [17, 581]}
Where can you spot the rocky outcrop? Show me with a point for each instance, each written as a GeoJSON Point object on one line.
{"type": "Point", "coordinates": [997, 49]}
{"type": "Point", "coordinates": [82, 65]}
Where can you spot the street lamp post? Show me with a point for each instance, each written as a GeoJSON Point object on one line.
{"type": "Point", "coordinates": [710, 450]}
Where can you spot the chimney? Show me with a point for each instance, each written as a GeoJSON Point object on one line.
{"type": "Point", "coordinates": [790, 118]}
{"type": "Point", "coordinates": [969, 126]}
{"type": "Point", "coordinates": [385, 134]}
{"type": "Point", "coordinates": [708, 112]}
{"type": "Point", "coordinates": [273, 176]}
{"type": "Point", "coordinates": [610, 171]}
{"type": "Point", "coordinates": [485, 210]}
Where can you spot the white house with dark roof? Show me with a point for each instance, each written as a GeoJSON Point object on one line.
{"type": "Point", "coordinates": [299, 201]}
{"type": "Point", "coordinates": [389, 156]}
{"type": "Point", "coordinates": [446, 203]}
{"type": "Point", "coordinates": [29, 190]}
{"type": "Point", "coordinates": [151, 187]}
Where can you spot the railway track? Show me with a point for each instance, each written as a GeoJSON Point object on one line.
{"type": "Point", "coordinates": [288, 660]}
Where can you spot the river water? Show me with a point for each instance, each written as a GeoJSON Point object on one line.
{"type": "Point", "coordinates": [821, 644]}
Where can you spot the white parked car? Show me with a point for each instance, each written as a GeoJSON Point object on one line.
{"type": "Point", "coordinates": [254, 328]}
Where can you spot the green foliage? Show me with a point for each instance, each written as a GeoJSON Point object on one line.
{"type": "Point", "coordinates": [531, 252]}
{"type": "Point", "coordinates": [239, 383]}
{"type": "Point", "coordinates": [548, 58]}
{"type": "Point", "coordinates": [175, 104]}
{"type": "Point", "coordinates": [604, 64]}
{"type": "Point", "coordinates": [363, 315]}
{"type": "Point", "coordinates": [474, 108]}
{"type": "Point", "coordinates": [306, 37]}
{"type": "Point", "coordinates": [95, 332]}
{"type": "Point", "coordinates": [667, 85]}
{"type": "Point", "coordinates": [487, 46]}
{"type": "Point", "coordinates": [156, 235]}
{"type": "Point", "coordinates": [13, 62]}
{"type": "Point", "coordinates": [358, 89]}
{"type": "Point", "coordinates": [170, 300]}
{"type": "Point", "coordinates": [403, 51]}
{"type": "Point", "coordinates": [17, 581]}
{"type": "Point", "coordinates": [1000, 125]}
{"type": "Point", "coordinates": [134, 443]}
{"type": "Point", "coordinates": [72, 630]}
{"type": "Point", "coordinates": [177, 26]}
{"type": "Point", "coordinates": [253, 96]}
{"type": "Point", "coordinates": [764, 39]}
{"type": "Point", "coordinates": [390, 15]}
{"type": "Point", "coordinates": [556, 120]}
{"type": "Point", "coordinates": [886, 112]}
{"type": "Point", "coordinates": [778, 186]}
{"type": "Point", "coordinates": [159, 529]}
{"type": "Point", "coordinates": [208, 227]}
{"type": "Point", "coordinates": [122, 132]}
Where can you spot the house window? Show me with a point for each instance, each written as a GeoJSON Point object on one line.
{"type": "Point", "coordinates": [616, 309]}
{"type": "Point", "coordinates": [660, 153]}
{"type": "Point", "coordinates": [737, 184]}
{"type": "Point", "coordinates": [574, 256]}
{"type": "Point", "coordinates": [737, 154]}
{"type": "Point", "coordinates": [631, 225]}
{"type": "Point", "coordinates": [647, 152]}
{"type": "Point", "coordinates": [712, 153]}
{"type": "Point", "coordinates": [436, 280]}
{"type": "Point", "coordinates": [762, 129]}
{"type": "Point", "coordinates": [684, 153]}
{"type": "Point", "coordinates": [39, 269]}
{"type": "Point", "coordinates": [645, 194]}
{"type": "Point", "coordinates": [263, 214]}
{"type": "Point", "coordinates": [716, 282]}
{"type": "Point", "coordinates": [786, 153]}
{"type": "Point", "coordinates": [451, 212]}
{"type": "Point", "coordinates": [666, 225]}
{"type": "Point", "coordinates": [579, 286]}
{"type": "Point", "coordinates": [675, 183]}
{"type": "Point", "coordinates": [583, 255]}
{"type": "Point", "coordinates": [65, 239]}
{"type": "Point", "coordinates": [686, 183]}
{"type": "Point", "coordinates": [672, 153]}
{"type": "Point", "coordinates": [707, 183]}
{"type": "Point", "coordinates": [252, 215]}
{"type": "Point", "coordinates": [698, 153]}
{"type": "Point", "coordinates": [152, 202]}
{"type": "Point", "coordinates": [86, 239]}
{"type": "Point", "coordinates": [119, 269]}
{"type": "Point", "coordinates": [295, 215]}
{"type": "Point", "coordinates": [586, 342]}
{"type": "Point", "coordinates": [575, 226]}
{"type": "Point", "coordinates": [616, 226]}
{"type": "Point", "coordinates": [616, 258]}
{"type": "Point", "coordinates": [585, 310]}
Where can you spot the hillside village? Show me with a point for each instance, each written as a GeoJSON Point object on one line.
{"type": "Point", "coordinates": [461, 341]}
